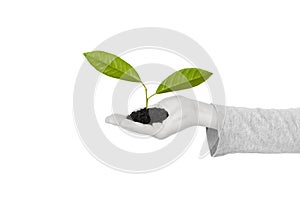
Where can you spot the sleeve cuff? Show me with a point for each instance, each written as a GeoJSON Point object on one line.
{"type": "Point", "coordinates": [214, 136]}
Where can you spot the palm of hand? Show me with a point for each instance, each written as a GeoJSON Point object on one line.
{"type": "Point", "coordinates": [180, 111]}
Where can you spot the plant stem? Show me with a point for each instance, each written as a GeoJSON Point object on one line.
{"type": "Point", "coordinates": [147, 98]}
{"type": "Point", "coordinates": [151, 96]}
{"type": "Point", "coordinates": [146, 91]}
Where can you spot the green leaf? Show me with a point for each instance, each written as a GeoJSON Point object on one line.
{"type": "Point", "coordinates": [112, 66]}
{"type": "Point", "coordinates": [183, 79]}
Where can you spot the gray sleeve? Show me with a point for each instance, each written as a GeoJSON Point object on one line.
{"type": "Point", "coordinates": [243, 130]}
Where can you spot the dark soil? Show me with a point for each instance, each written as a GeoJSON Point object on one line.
{"type": "Point", "coordinates": [148, 116]}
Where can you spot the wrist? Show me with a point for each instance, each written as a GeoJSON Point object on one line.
{"type": "Point", "coordinates": [205, 115]}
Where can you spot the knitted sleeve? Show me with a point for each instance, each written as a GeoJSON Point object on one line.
{"type": "Point", "coordinates": [243, 130]}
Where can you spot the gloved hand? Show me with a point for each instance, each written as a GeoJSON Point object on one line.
{"type": "Point", "coordinates": [183, 113]}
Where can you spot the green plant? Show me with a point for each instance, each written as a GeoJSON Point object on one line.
{"type": "Point", "coordinates": [113, 66]}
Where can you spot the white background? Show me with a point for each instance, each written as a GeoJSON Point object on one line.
{"type": "Point", "coordinates": [255, 45]}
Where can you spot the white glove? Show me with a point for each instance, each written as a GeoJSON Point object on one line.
{"type": "Point", "coordinates": [183, 113]}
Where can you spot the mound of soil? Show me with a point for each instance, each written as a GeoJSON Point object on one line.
{"type": "Point", "coordinates": [148, 116]}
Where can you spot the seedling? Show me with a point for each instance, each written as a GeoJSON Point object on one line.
{"type": "Point", "coordinates": [113, 66]}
